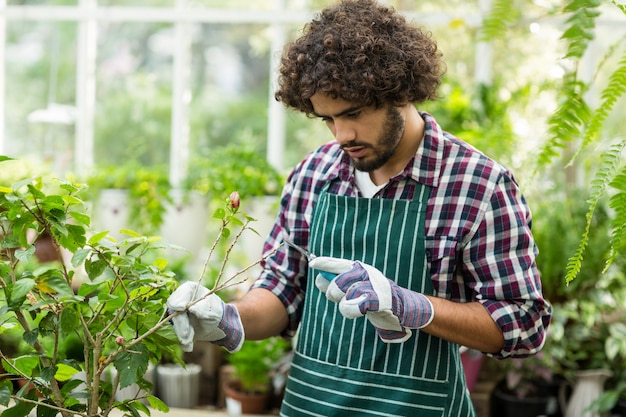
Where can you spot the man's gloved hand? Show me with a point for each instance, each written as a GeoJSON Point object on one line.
{"type": "Point", "coordinates": [204, 317]}
{"type": "Point", "coordinates": [361, 289]}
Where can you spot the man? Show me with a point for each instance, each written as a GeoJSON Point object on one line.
{"type": "Point", "coordinates": [423, 243]}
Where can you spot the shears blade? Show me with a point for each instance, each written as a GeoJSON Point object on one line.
{"type": "Point", "coordinates": [309, 256]}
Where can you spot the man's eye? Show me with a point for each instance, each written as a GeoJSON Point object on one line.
{"type": "Point", "coordinates": [354, 115]}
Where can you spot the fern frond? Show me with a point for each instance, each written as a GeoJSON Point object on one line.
{"type": "Point", "coordinates": [611, 93]}
{"type": "Point", "coordinates": [618, 223]}
{"type": "Point", "coordinates": [580, 26]}
{"type": "Point", "coordinates": [620, 6]}
{"type": "Point", "coordinates": [567, 123]}
{"type": "Point", "coordinates": [609, 162]}
{"type": "Point", "coordinates": [495, 24]}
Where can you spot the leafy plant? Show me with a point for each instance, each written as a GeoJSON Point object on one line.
{"type": "Point", "coordinates": [254, 362]}
{"type": "Point", "coordinates": [231, 168]}
{"type": "Point", "coordinates": [576, 121]}
{"type": "Point", "coordinates": [576, 124]}
{"type": "Point", "coordinates": [481, 118]}
{"type": "Point", "coordinates": [148, 192]}
{"type": "Point", "coordinates": [110, 297]}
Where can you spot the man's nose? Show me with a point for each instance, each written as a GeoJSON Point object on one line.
{"type": "Point", "coordinates": [344, 132]}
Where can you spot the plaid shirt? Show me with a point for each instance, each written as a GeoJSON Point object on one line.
{"type": "Point", "coordinates": [479, 243]}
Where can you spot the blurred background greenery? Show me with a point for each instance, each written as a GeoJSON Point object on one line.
{"type": "Point", "coordinates": [525, 81]}
{"type": "Point", "coordinates": [499, 100]}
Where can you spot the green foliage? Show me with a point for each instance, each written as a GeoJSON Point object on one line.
{"type": "Point", "coordinates": [234, 168]}
{"type": "Point", "coordinates": [575, 122]}
{"type": "Point", "coordinates": [566, 123]}
{"type": "Point", "coordinates": [587, 332]}
{"type": "Point", "coordinates": [589, 313]}
{"type": "Point", "coordinates": [580, 26]}
{"type": "Point", "coordinates": [255, 360]}
{"type": "Point", "coordinates": [109, 298]}
{"type": "Point", "coordinates": [608, 165]}
{"type": "Point", "coordinates": [481, 117]}
{"type": "Point", "coordinates": [495, 24]}
{"type": "Point", "coordinates": [611, 93]}
{"type": "Point", "coordinates": [148, 191]}
{"type": "Point", "coordinates": [557, 220]}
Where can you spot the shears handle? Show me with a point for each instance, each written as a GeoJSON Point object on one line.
{"type": "Point", "coordinates": [327, 275]}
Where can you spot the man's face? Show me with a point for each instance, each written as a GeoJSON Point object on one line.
{"type": "Point", "coordinates": [369, 136]}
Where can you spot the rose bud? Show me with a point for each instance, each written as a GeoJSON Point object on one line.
{"type": "Point", "coordinates": [119, 340]}
{"type": "Point", "coordinates": [235, 201]}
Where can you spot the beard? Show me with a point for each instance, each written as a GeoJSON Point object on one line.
{"type": "Point", "coordinates": [385, 146]}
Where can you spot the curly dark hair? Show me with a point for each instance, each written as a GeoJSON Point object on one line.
{"type": "Point", "coordinates": [363, 53]}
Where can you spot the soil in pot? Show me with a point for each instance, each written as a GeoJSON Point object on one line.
{"type": "Point", "coordinates": [239, 402]}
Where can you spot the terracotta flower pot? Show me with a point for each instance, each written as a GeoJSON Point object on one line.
{"type": "Point", "coordinates": [239, 402]}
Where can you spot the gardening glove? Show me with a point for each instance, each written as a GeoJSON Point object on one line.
{"type": "Point", "coordinates": [204, 317]}
{"type": "Point", "coordinates": [362, 290]}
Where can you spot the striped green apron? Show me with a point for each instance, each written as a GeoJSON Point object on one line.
{"type": "Point", "coordinates": [340, 366]}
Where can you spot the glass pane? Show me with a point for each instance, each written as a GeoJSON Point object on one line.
{"type": "Point", "coordinates": [234, 4]}
{"type": "Point", "coordinates": [137, 3]}
{"type": "Point", "coordinates": [40, 92]}
{"type": "Point", "coordinates": [42, 2]}
{"type": "Point", "coordinates": [229, 83]}
{"type": "Point", "coordinates": [133, 109]}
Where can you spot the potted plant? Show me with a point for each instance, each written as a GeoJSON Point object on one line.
{"type": "Point", "coordinates": [110, 296]}
{"type": "Point", "coordinates": [128, 196]}
{"type": "Point", "coordinates": [233, 167]}
{"type": "Point", "coordinates": [589, 341]}
{"type": "Point", "coordinates": [557, 216]}
{"type": "Point", "coordinates": [241, 168]}
{"type": "Point", "coordinates": [249, 387]}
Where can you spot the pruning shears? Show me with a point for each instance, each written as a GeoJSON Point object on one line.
{"type": "Point", "coordinates": [310, 256]}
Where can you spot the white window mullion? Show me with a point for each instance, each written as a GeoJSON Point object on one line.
{"type": "Point", "coordinates": [276, 111]}
{"type": "Point", "coordinates": [181, 96]}
{"type": "Point", "coordinates": [86, 86]}
{"type": "Point", "coordinates": [3, 39]}
{"type": "Point", "coordinates": [484, 51]}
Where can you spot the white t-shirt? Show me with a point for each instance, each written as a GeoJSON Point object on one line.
{"type": "Point", "coordinates": [365, 184]}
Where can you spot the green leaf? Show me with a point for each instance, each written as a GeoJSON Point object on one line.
{"type": "Point", "coordinates": [22, 287]}
{"type": "Point", "coordinates": [64, 372]}
{"type": "Point", "coordinates": [132, 365]}
{"type": "Point", "coordinates": [48, 373]}
{"type": "Point", "coordinates": [88, 288]}
{"type": "Point", "coordinates": [68, 320]}
{"type": "Point", "coordinates": [23, 365]}
{"type": "Point", "coordinates": [132, 410]}
{"type": "Point", "coordinates": [6, 389]}
{"type": "Point", "coordinates": [79, 257]}
{"type": "Point", "coordinates": [93, 240]}
{"type": "Point", "coordinates": [141, 407]}
{"type": "Point", "coordinates": [24, 255]}
{"type": "Point", "coordinates": [160, 263]}
{"type": "Point", "coordinates": [130, 233]}
{"type": "Point", "coordinates": [95, 268]}
{"type": "Point", "coordinates": [31, 336]}
{"type": "Point", "coordinates": [157, 404]}
{"type": "Point", "coordinates": [219, 213]}
{"type": "Point", "coordinates": [43, 411]}
{"type": "Point", "coordinates": [51, 284]}
{"type": "Point", "coordinates": [21, 409]}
